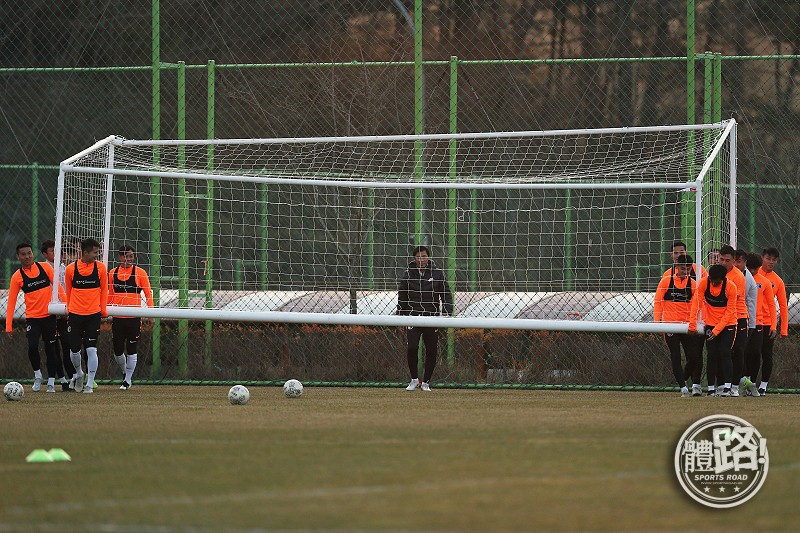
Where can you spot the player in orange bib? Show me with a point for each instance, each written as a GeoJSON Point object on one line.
{"type": "Point", "coordinates": [770, 259]}
{"type": "Point", "coordinates": [36, 281]}
{"type": "Point", "coordinates": [766, 321]}
{"type": "Point", "coordinates": [87, 297]}
{"type": "Point", "coordinates": [62, 346]}
{"type": "Point", "coordinates": [727, 258]}
{"type": "Point", "coordinates": [673, 303]}
{"type": "Point", "coordinates": [715, 302]}
{"type": "Point", "coordinates": [126, 283]}
{"type": "Point", "coordinates": [678, 250]}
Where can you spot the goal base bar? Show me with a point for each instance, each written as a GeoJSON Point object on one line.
{"type": "Point", "coordinates": [391, 320]}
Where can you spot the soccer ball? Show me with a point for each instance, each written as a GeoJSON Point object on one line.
{"type": "Point", "coordinates": [292, 388]}
{"type": "Point", "coordinates": [238, 395]}
{"type": "Point", "coordinates": [13, 391]}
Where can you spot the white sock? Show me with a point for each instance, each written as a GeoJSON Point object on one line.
{"type": "Point", "coordinates": [727, 386]}
{"type": "Point", "coordinates": [711, 388]}
{"type": "Point", "coordinates": [734, 388]}
{"type": "Point", "coordinates": [763, 385]}
{"type": "Point", "coordinates": [37, 374]}
{"type": "Point", "coordinates": [77, 362]}
{"type": "Point", "coordinates": [63, 379]}
{"type": "Point", "coordinates": [121, 362]}
{"type": "Point", "coordinates": [51, 382]}
{"type": "Point", "coordinates": [130, 366]}
{"type": "Point", "coordinates": [91, 364]}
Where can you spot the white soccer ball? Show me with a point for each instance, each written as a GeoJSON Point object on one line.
{"type": "Point", "coordinates": [13, 391]}
{"type": "Point", "coordinates": [292, 388]}
{"type": "Point", "coordinates": [238, 395]}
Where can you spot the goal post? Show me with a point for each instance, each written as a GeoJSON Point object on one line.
{"type": "Point", "coordinates": [549, 230]}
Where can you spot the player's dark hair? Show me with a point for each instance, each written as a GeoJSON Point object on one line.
{"type": "Point", "coordinates": [684, 259]}
{"type": "Point", "coordinates": [741, 254]}
{"type": "Point", "coordinates": [88, 244]}
{"type": "Point", "coordinates": [22, 245]}
{"type": "Point", "coordinates": [716, 273]}
{"type": "Point", "coordinates": [754, 261]}
{"type": "Point", "coordinates": [679, 243]}
{"type": "Point", "coordinates": [125, 248]}
{"type": "Point", "coordinates": [46, 245]}
{"type": "Point", "coordinates": [772, 251]}
{"type": "Point", "coordinates": [419, 249]}
{"type": "Point", "coordinates": [727, 250]}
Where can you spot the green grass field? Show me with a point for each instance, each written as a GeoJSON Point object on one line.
{"type": "Point", "coordinates": [159, 458]}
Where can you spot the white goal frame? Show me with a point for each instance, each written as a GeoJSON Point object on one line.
{"type": "Point", "coordinates": [728, 135]}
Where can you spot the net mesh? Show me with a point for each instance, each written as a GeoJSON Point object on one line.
{"type": "Point", "coordinates": [525, 226]}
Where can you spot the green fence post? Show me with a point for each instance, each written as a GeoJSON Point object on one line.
{"type": "Point", "coordinates": [263, 197]}
{"type": "Point", "coordinates": [688, 218]}
{"type": "Point", "coordinates": [237, 275]}
{"type": "Point", "coordinates": [708, 183]}
{"type": "Point", "coordinates": [473, 240]}
{"type": "Point", "coordinates": [716, 174]}
{"type": "Point", "coordinates": [751, 211]}
{"type": "Point", "coordinates": [371, 239]}
{"type": "Point", "coordinates": [452, 208]}
{"type": "Point", "coordinates": [568, 274]}
{"type": "Point", "coordinates": [662, 215]}
{"type": "Point", "coordinates": [155, 185]}
{"type": "Point", "coordinates": [419, 129]}
{"type": "Point", "coordinates": [208, 266]}
{"type": "Point", "coordinates": [35, 205]}
{"type": "Point", "coordinates": [183, 227]}
{"type": "Point", "coordinates": [419, 123]}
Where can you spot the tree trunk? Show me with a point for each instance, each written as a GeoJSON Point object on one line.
{"type": "Point", "coordinates": [623, 88]}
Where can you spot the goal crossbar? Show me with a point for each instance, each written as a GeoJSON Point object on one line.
{"type": "Point", "coordinates": [322, 182]}
{"type": "Point", "coordinates": [121, 141]}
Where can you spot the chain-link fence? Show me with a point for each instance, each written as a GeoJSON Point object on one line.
{"type": "Point", "coordinates": [72, 73]}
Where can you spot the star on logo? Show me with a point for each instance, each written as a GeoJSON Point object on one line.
{"type": "Point", "coordinates": [735, 489]}
{"type": "Point", "coordinates": [722, 489]}
{"type": "Point", "coordinates": [707, 489]}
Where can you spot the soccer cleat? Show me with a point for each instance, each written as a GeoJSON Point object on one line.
{"type": "Point", "coordinates": [685, 393]}
{"type": "Point", "coordinates": [425, 387]}
{"type": "Point", "coordinates": [79, 383]}
{"type": "Point", "coordinates": [712, 394]}
{"type": "Point", "coordinates": [65, 387]}
{"type": "Point", "coordinates": [37, 385]}
{"type": "Point", "coordinates": [725, 392]}
{"type": "Point", "coordinates": [734, 393]}
{"type": "Point", "coordinates": [88, 390]}
{"type": "Point", "coordinates": [125, 386]}
{"type": "Point", "coordinates": [696, 390]}
{"type": "Point", "coordinates": [413, 385]}
{"type": "Point", "coordinates": [752, 390]}
{"type": "Point", "coordinates": [761, 392]}
{"type": "Point", "coordinates": [51, 388]}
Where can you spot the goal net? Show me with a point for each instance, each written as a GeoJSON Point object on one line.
{"type": "Point", "coordinates": [563, 230]}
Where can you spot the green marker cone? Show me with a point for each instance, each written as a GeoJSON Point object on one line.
{"type": "Point", "coordinates": [39, 456]}
{"type": "Point", "coordinates": [57, 454]}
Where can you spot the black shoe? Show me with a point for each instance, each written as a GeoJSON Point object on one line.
{"type": "Point", "coordinates": [65, 387]}
{"type": "Point", "coordinates": [762, 392]}
{"type": "Point", "coordinates": [125, 386]}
